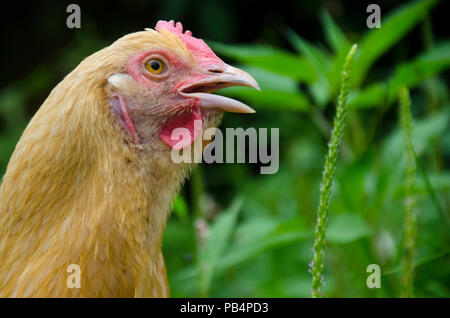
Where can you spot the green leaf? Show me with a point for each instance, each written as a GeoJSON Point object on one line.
{"type": "Point", "coordinates": [242, 253]}
{"type": "Point", "coordinates": [285, 233]}
{"type": "Point", "coordinates": [315, 56]}
{"type": "Point", "coordinates": [246, 252]}
{"type": "Point", "coordinates": [440, 51]}
{"type": "Point", "coordinates": [253, 244]}
{"type": "Point", "coordinates": [439, 181]}
{"type": "Point", "coordinates": [244, 51]}
{"type": "Point", "coordinates": [418, 262]}
{"type": "Point", "coordinates": [428, 64]}
{"type": "Point", "coordinates": [270, 99]}
{"type": "Point", "coordinates": [268, 58]}
{"type": "Point", "coordinates": [393, 27]}
{"type": "Point", "coordinates": [217, 241]}
{"type": "Point", "coordinates": [322, 64]}
{"type": "Point", "coordinates": [371, 96]}
{"type": "Point", "coordinates": [333, 34]}
{"type": "Point", "coordinates": [268, 80]}
{"type": "Point", "coordinates": [423, 131]}
{"type": "Point", "coordinates": [180, 208]}
{"type": "Point", "coordinates": [346, 228]}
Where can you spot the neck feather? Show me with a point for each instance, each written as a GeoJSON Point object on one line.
{"type": "Point", "coordinates": [76, 191]}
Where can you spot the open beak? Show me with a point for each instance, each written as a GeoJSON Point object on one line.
{"type": "Point", "coordinates": [225, 77]}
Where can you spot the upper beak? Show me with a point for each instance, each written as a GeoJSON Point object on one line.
{"type": "Point", "coordinates": [220, 78]}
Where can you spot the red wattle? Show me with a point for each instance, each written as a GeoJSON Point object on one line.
{"type": "Point", "coordinates": [190, 121]}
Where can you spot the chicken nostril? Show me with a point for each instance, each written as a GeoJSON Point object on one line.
{"type": "Point", "coordinates": [215, 69]}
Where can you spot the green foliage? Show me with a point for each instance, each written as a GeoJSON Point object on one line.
{"type": "Point", "coordinates": [269, 248]}
{"type": "Point", "coordinates": [215, 241]}
{"type": "Point", "coordinates": [394, 27]}
{"type": "Point", "coordinates": [430, 63]}
{"type": "Point", "coordinates": [321, 69]}
{"type": "Point", "coordinates": [180, 208]}
{"type": "Point", "coordinates": [334, 36]}
{"type": "Point", "coordinates": [346, 228]}
{"type": "Point", "coordinates": [268, 58]}
{"type": "Point", "coordinates": [410, 223]}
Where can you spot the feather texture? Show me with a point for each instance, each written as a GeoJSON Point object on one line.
{"type": "Point", "coordinates": [76, 191]}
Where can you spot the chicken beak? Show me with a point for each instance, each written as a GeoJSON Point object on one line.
{"type": "Point", "coordinates": [238, 77]}
{"type": "Point", "coordinates": [220, 78]}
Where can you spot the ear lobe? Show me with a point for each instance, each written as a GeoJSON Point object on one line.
{"type": "Point", "coordinates": [120, 81]}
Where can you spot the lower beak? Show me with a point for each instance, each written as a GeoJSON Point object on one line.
{"type": "Point", "coordinates": [226, 77]}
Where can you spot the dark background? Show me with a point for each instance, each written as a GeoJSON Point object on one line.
{"type": "Point", "coordinates": [35, 32]}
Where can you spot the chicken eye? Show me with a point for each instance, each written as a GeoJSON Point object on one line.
{"type": "Point", "coordinates": [154, 66]}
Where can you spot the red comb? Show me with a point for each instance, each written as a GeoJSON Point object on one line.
{"type": "Point", "coordinates": [200, 49]}
{"type": "Point", "coordinates": [171, 26]}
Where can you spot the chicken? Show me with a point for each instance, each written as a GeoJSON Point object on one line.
{"type": "Point", "coordinates": [91, 180]}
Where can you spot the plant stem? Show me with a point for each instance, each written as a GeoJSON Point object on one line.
{"type": "Point", "coordinates": [410, 221]}
{"type": "Point", "coordinates": [327, 179]}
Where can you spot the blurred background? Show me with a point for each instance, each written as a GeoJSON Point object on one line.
{"type": "Point", "coordinates": [235, 232]}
